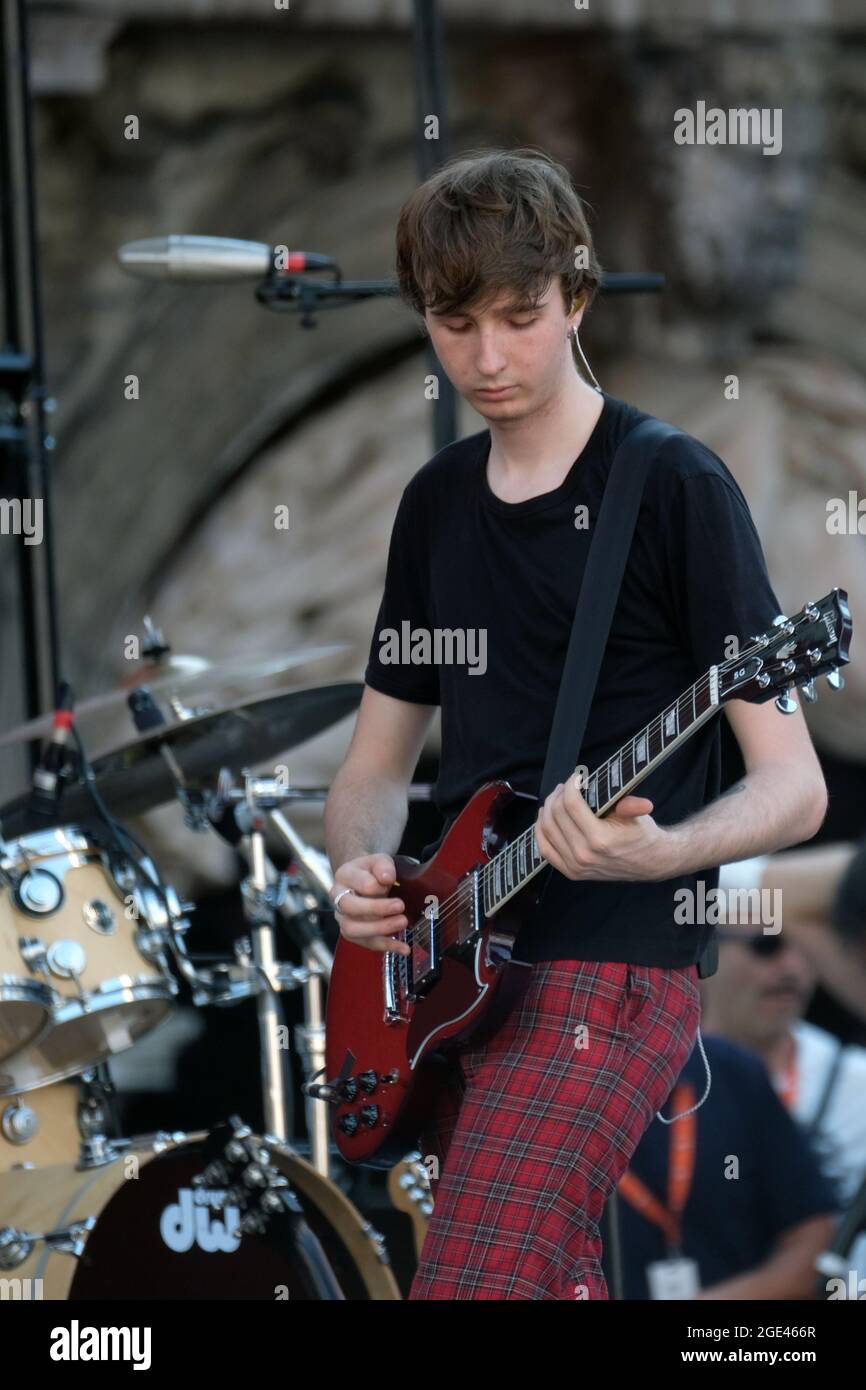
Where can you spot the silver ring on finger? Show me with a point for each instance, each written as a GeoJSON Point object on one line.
{"type": "Point", "coordinates": [340, 895]}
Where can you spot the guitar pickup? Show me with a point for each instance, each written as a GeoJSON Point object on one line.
{"type": "Point", "coordinates": [425, 961]}
{"type": "Point", "coordinates": [470, 917]}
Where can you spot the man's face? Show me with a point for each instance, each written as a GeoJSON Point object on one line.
{"type": "Point", "coordinates": [759, 997]}
{"type": "Point", "coordinates": [505, 345]}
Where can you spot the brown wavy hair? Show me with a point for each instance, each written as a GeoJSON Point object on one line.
{"type": "Point", "coordinates": [491, 220]}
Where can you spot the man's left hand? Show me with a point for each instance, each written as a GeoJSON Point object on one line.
{"type": "Point", "coordinates": [624, 845]}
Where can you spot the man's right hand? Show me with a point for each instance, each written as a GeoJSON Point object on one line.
{"type": "Point", "coordinates": [367, 916]}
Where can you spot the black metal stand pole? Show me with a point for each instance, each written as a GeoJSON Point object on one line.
{"type": "Point", "coordinates": [430, 100]}
{"type": "Point", "coordinates": [24, 471]}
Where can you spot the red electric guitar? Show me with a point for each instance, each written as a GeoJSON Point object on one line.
{"type": "Point", "coordinates": [392, 1018]}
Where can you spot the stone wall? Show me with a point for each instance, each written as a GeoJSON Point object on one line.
{"type": "Point", "coordinates": [304, 135]}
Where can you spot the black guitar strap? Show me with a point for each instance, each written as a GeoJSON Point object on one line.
{"type": "Point", "coordinates": [599, 591]}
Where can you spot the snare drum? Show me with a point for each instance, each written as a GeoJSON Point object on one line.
{"type": "Point", "coordinates": [139, 1228]}
{"type": "Point", "coordinates": [83, 965]}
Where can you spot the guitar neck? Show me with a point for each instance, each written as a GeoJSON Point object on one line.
{"type": "Point", "coordinates": [509, 871]}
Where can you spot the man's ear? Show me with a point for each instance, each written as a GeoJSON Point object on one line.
{"type": "Point", "coordinates": [576, 312]}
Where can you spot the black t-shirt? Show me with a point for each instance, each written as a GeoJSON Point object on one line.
{"type": "Point", "coordinates": [731, 1222]}
{"type": "Point", "coordinates": [506, 575]}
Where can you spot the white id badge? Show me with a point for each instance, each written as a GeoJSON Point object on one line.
{"type": "Point", "coordinates": [673, 1278]}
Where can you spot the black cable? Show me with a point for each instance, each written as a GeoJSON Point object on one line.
{"type": "Point", "coordinates": [122, 837]}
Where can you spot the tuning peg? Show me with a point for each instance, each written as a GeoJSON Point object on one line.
{"type": "Point", "coordinates": [836, 680]}
{"type": "Point", "coordinates": [809, 691]}
{"type": "Point", "coordinates": [784, 703]}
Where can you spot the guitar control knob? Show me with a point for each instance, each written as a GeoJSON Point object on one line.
{"type": "Point", "coordinates": [368, 1080]}
{"type": "Point", "coordinates": [348, 1123]}
{"type": "Point", "coordinates": [349, 1088]}
{"type": "Point", "coordinates": [369, 1115]}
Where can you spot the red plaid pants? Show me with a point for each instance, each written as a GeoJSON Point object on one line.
{"type": "Point", "coordinates": [539, 1125]}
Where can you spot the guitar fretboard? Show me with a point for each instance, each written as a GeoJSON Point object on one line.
{"type": "Point", "coordinates": [510, 870]}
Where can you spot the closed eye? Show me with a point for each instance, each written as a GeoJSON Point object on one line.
{"type": "Point", "coordinates": [461, 327]}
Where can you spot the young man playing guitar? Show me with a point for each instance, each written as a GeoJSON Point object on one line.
{"type": "Point", "coordinates": [491, 536]}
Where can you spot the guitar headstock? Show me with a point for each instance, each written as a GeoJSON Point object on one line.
{"type": "Point", "coordinates": [409, 1190]}
{"type": "Point", "coordinates": [409, 1186]}
{"type": "Point", "coordinates": [794, 652]}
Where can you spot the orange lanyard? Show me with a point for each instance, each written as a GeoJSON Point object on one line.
{"type": "Point", "coordinates": [681, 1167]}
{"type": "Point", "coordinates": [788, 1087]}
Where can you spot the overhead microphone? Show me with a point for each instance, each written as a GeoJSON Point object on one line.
{"type": "Point", "coordinates": [214, 258]}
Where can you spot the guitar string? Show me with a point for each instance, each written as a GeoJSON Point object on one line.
{"type": "Point", "coordinates": [465, 891]}
{"type": "Point", "coordinates": [460, 897]}
{"type": "Point", "coordinates": [463, 894]}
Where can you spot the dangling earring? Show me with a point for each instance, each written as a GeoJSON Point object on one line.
{"type": "Point", "coordinates": [587, 367]}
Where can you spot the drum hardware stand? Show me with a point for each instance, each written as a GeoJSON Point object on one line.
{"type": "Point", "coordinates": [299, 909]}
{"type": "Point", "coordinates": [261, 901]}
{"type": "Point", "coordinates": [310, 1044]}
{"type": "Point", "coordinates": [310, 1035]}
{"type": "Point", "coordinates": [95, 1107]}
{"type": "Point", "coordinates": [265, 892]}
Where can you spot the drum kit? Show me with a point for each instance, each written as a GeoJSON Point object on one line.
{"type": "Point", "coordinates": [94, 957]}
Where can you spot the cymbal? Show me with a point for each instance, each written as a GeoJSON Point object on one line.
{"type": "Point", "coordinates": [185, 673]}
{"type": "Point", "coordinates": [135, 778]}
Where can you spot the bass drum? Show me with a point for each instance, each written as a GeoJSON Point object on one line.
{"type": "Point", "coordinates": [153, 1235]}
